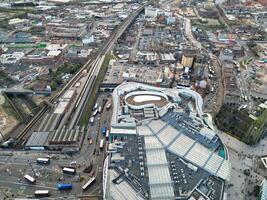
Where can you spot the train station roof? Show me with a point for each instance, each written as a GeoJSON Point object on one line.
{"type": "Point", "coordinates": [37, 139]}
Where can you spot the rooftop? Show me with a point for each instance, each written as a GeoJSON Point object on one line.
{"type": "Point", "coordinates": [170, 154]}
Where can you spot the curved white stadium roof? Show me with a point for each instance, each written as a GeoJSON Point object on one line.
{"type": "Point", "coordinates": [127, 87]}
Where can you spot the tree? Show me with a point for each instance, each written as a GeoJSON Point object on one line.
{"type": "Point", "coordinates": [53, 85]}
{"type": "Point", "coordinates": [256, 190]}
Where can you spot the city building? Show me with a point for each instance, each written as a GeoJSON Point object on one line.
{"type": "Point", "coordinates": [151, 12]}
{"type": "Point", "coordinates": [187, 61]}
{"type": "Point", "coordinates": [65, 30]}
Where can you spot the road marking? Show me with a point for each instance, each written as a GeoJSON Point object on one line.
{"type": "Point", "coordinates": [92, 191]}
{"type": "Point", "coordinates": [27, 185]}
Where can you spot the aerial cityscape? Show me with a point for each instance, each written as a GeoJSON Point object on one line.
{"type": "Point", "coordinates": [133, 100]}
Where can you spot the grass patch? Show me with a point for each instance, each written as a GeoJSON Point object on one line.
{"type": "Point", "coordinates": [207, 23]}
{"type": "Point", "coordinates": [10, 111]}
{"type": "Point", "coordinates": [5, 80]}
{"type": "Point", "coordinates": [238, 124]}
{"type": "Point", "coordinates": [93, 96]}
{"type": "Point", "coordinates": [259, 126]}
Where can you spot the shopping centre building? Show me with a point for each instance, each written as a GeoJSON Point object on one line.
{"type": "Point", "coordinates": [162, 146]}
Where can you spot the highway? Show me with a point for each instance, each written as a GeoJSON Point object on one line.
{"type": "Point", "coordinates": [94, 66]}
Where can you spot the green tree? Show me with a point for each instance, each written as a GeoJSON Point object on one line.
{"type": "Point", "coordinates": [53, 85]}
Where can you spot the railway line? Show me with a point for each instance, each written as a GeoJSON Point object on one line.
{"type": "Point", "coordinates": [93, 63]}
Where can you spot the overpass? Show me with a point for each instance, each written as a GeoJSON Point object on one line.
{"type": "Point", "coordinates": [17, 91]}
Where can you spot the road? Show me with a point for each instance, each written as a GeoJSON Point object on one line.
{"type": "Point", "coordinates": [218, 67]}
{"type": "Point", "coordinates": [13, 168]}
{"type": "Point", "coordinates": [136, 44]}
{"type": "Point", "coordinates": [188, 32]}
{"type": "Point", "coordinates": [14, 164]}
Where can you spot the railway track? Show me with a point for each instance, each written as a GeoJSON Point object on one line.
{"type": "Point", "coordinates": [94, 68]}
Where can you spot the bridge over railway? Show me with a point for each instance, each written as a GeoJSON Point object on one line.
{"type": "Point", "coordinates": [18, 91]}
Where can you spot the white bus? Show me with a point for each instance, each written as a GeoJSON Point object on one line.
{"type": "Point", "coordinates": [73, 163]}
{"type": "Point", "coordinates": [92, 120]}
{"type": "Point", "coordinates": [212, 89]}
{"type": "Point", "coordinates": [43, 161]}
{"type": "Point", "coordinates": [30, 179]}
{"type": "Point", "coordinates": [95, 112]}
{"type": "Point", "coordinates": [88, 183]}
{"type": "Point", "coordinates": [41, 193]}
{"type": "Point", "coordinates": [95, 107]}
{"type": "Point", "coordinates": [108, 106]}
{"type": "Point", "coordinates": [107, 134]}
{"type": "Point", "coordinates": [67, 170]}
{"type": "Point", "coordinates": [101, 143]}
